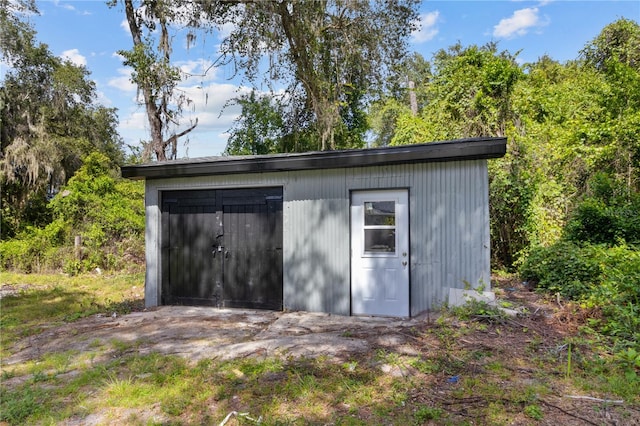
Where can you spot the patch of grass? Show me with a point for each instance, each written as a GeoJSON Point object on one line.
{"type": "Point", "coordinates": [46, 300]}
{"type": "Point", "coordinates": [18, 405]}
{"type": "Point", "coordinates": [495, 383]}
{"type": "Point", "coordinates": [424, 414]}
{"type": "Point", "coordinates": [425, 366]}
{"type": "Point", "coordinates": [534, 411]}
{"type": "Point", "coordinates": [478, 310]}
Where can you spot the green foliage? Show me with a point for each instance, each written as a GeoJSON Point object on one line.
{"type": "Point", "coordinates": [49, 122]}
{"type": "Point", "coordinates": [105, 211]}
{"type": "Point", "coordinates": [608, 214]}
{"type": "Point", "coordinates": [534, 411]}
{"type": "Point", "coordinates": [259, 128]}
{"type": "Point", "coordinates": [564, 268]}
{"type": "Point", "coordinates": [411, 129]}
{"type": "Point", "coordinates": [16, 407]}
{"type": "Point", "coordinates": [331, 57]}
{"type": "Point", "coordinates": [565, 123]}
{"type": "Point", "coordinates": [601, 277]}
{"type": "Point", "coordinates": [478, 310]}
{"type": "Point", "coordinates": [424, 414]}
{"type": "Point", "coordinates": [618, 41]}
{"type": "Point", "coordinates": [512, 189]}
{"type": "Point", "coordinates": [35, 249]}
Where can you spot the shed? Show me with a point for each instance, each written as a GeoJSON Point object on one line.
{"type": "Point", "coordinates": [381, 231]}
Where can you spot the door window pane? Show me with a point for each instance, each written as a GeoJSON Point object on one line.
{"type": "Point", "coordinates": [380, 240]}
{"type": "Point", "coordinates": [379, 213]}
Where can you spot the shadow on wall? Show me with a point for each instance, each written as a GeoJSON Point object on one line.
{"type": "Point", "coordinates": [316, 261]}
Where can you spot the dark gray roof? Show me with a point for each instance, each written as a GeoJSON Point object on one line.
{"type": "Point", "coordinates": [462, 149]}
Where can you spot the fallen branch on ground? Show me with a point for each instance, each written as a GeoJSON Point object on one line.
{"type": "Point", "coordinates": [245, 415]}
{"type": "Point", "coordinates": [590, 398]}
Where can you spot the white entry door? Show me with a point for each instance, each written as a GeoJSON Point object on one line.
{"type": "Point", "coordinates": [380, 253]}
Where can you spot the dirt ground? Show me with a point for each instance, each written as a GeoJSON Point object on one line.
{"type": "Point", "coordinates": [208, 333]}
{"type": "Point", "coordinates": [203, 332]}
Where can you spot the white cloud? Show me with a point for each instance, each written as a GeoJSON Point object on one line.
{"type": "Point", "coordinates": [63, 5]}
{"type": "Point", "coordinates": [134, 121]}
{"type": "Point", "coordinates": [207, 104]}
{"type": "Point", "coordinates": [123, 81]}
{"type": "Point", "coordinates": [74, 56]}
{"type": "Point", "coordinates": [210, 105]}
{"type": "Point", "coordinates": [197, 72]}
{"type": "Point", "coordinates": [102, 99]}
{"type": "Point", "coordinates": [124, 24]}
{"type": "Point", "coordinates": [427, 29]}
{"type": "Point", "coordinates": [226, 29]}
{"type": "Point", "coordinates": [518, 24]}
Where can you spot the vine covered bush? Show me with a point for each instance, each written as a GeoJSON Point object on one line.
{"type": "Point", "coordinates": [107, 212]}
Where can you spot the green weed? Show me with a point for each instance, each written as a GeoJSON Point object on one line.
{"type": "Point", "coordinates": [534, 411]}
{"type": "Point", "coordinates": [424, 414]}
{"type": "Point", "coordinates": [17, 405]}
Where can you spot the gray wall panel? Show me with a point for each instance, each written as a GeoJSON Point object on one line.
{"type": "Point", "coordinates": [316, 243]}
{"type": "Point", "coordinates": [449, 220]}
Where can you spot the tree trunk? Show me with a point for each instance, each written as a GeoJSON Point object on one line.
{"type": "Point", "coordinates": [158, 144]}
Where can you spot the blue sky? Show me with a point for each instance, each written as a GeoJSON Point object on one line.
{"type": "Point", "coordinates": [89, 33]}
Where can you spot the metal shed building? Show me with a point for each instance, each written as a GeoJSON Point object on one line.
{"type": "Point", "coordinates": [384, 231]}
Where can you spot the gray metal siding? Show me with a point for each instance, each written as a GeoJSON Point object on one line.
{"type": "Point", "coordinates": [450, 230]}
{"type": "Point", "coordinates": [449, 220]}
{"type": "Point", "coordinates": [316, 242]}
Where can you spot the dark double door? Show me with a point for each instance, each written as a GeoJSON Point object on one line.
{"type": "Point", "coordinates": [222, 248]}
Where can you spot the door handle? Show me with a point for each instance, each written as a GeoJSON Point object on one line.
{"type": "Point", "coordinates": [404, 263]}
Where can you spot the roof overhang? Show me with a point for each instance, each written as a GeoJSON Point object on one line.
{"type": "Point", "coordinates": [462, 149]}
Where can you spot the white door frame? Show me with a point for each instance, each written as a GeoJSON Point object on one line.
{"type": "Point", "coordinates": [379, 229]}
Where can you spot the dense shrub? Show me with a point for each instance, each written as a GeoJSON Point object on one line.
{"type": "Point", "coordinates": [107, 212]}
{"type": "Point", "coordinates": [608, 213]}
{"type": "Point", "coordinates": [564, 268]}
{"type": "Point", "coordinates": [599, 276]}
{"type": "Point", "coordinates": [35, 249]}
{"type": "Point", "coordinates": [618, 293]}
{"type": "Point", "coordinates": [596, 222]}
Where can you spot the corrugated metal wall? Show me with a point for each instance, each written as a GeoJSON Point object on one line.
{"type": "Point", "coordinates": [316, 242]}
{"type": "Point", "coordinates": [449, 220]}
{"type": "Point", "coordinates": [449, 230]}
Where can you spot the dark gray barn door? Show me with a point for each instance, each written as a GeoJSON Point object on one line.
{"type": "Point", "coordinates": [222, 248]}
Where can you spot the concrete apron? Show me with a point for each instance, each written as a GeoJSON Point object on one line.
{"type": "Point", "coordinates": [199, 333]}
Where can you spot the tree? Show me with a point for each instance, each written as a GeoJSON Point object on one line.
{"type": "Point", "coordinates": [619, 41]}
{"type": "Point", "coordinates": [337, 51]}
{"type": "Point", "coordinates": [259, 129]}
{"type": "Point", "coordinates": [394, 118]}
{"type": "Point", "coordinates": [49, 122]}
{"type": "Point", "coordinates": [153, 72]}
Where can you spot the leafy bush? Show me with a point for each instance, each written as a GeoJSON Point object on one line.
{"type": "Point", "coordinates": [105, 211]}
{"type": "Point", "coordinates": [593, 221]}
{"type": "Point", "coordinates": [596, 222]}
{"type": "Point", "coordinates": [618, 293]}
{"type": "Point", "coordinates": [34, 249]}
{"type": "Point", "coordinates": [598, 276]}
{"type": "Point", "coordinates": [564, 268]}
{"type": "Point", "coordinates": [609, 213]}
